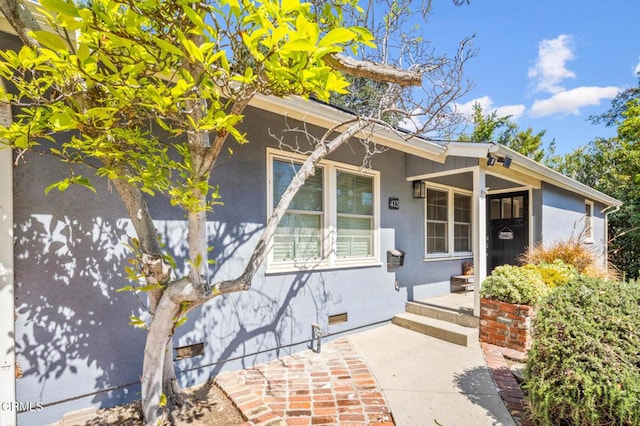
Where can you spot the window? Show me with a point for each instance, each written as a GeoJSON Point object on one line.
{"type": "Point", "coordinates": [588, 221]}
{"type": "Point", "coordinates": [354, 195]}
{"type": "Point", "coordinates": [299, 233]}
{"type": "Point", "coordinates": [437, 221]}
{"type": "Point", "coordinates": [448, 223]}
{"type": "Point", "coordinates": [332, 220]}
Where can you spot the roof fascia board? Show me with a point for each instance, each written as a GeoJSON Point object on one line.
{"type": "Point", "coordinates": [442, 173]}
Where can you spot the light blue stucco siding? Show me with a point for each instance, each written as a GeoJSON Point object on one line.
{"type": "Point", "coordinates": [563, 218]}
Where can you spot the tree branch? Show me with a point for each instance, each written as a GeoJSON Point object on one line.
{"type": "Point", "coordinates": [259, 254]}
{"type": "Point", "coordinates": [21, 19]}
{"type": "Point", "coordinates": [375, 71]}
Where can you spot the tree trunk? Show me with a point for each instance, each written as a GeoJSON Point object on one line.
{"type": "Point", "coordinates": [154, 364]}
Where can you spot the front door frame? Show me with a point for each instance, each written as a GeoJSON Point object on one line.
{"type": "Point", "coordinates": [510, 222]}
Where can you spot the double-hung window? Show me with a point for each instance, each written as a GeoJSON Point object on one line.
{"type": "Point", "coordinates": [332, 220]}
{"type": "Point", "coordinates": [448, 223]}
{"type": "Point", "coordinates": [354, 196]}
{"type": "Point", "coordinates": [300, 232]}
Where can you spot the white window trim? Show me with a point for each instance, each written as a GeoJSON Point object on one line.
{"type": "Point", "coordinates": [451, 255]}
{"type": "Point", "coordinates": [329, 260]}
{"type": "Point", "coordinates": [589, 236]}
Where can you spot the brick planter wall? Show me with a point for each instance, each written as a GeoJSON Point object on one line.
{"type": "Point", "coordinates": [506, 325]}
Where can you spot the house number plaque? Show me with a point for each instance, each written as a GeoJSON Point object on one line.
{"type": "Point", "coordinates": [394, 203]}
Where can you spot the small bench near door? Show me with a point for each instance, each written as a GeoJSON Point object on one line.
{"type": "Point", "coordinates": [464, 281]}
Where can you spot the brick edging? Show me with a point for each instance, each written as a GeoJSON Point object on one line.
{"type": "Point", "coordinates": [506, 383]}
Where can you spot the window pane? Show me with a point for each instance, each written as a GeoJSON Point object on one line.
{"type": "Point", "coordinates": [506, 208]}
{"type": "Point", "coordinates": [518, 207]}
{"type": "Point", "coordinates": [462, 208]}
{"type": "Point", "coordinates": [495, 209]}
{"type": "Point", "coordinates": [437, 238]}
{"type": "Point", "coordinates": [436, 205]}
{"type": "Point", "coordinates": [462, 225]}
{"type": "Point", "coordinates": [588, 227]}
{"type": "Point", "coordinates": [354, 194]}
{"type": "Point", "coordinates": [309, 197]}
{"type": "Point", "coordinates": [355, 237]}
{"type": "Point", "coordinates": [462, 238]}
{"type": "Point", "coordinates": [298, 237]}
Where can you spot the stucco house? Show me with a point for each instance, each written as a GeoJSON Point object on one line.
{"type": "Point", "coordinates": [335, 262]}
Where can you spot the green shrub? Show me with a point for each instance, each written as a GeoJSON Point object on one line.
{"type": "Point", "coordinates": [555, 273]}
{"type": "Point", "coordinates": [584, 365]}
{"type": "Point", "coordinates": [513, 284]}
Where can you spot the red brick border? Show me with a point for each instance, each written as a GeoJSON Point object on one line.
{"type": "Point", "coordinates": [307, 388]}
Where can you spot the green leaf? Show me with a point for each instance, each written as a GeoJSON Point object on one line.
{"type": "Point", "coordinates": [50, 40]}
{"type": "Point", "coordinates": [84, 182]}
{"type": "Point", "coordinates": [163, 400]}
{"type": "Point", "coordinates": [149, 287]}
{"type": "Point", "coordinates": [181, 321]}
{"type": "Point", "coordinates": [193, 50]}
{"type": "Point", "coordinates": [51, 187]}
{"type": "Point", "coordinates": [336, 36]}
{"type": "Point", "coordinates": [137, 322]}
{"type": "Point", "coordinates": [193, 17]}
{"type": "Point", "coordinates": [60, 6]}
{"type": "Point", "coordinates": [168, 46]}
{"type": "Point", "coordinates": [125, 288]}
{"type": "Point", "coordinates": [300, 45]}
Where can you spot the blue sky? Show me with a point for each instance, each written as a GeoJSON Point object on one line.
{"type": "Point", "coordinates": [548, 63]}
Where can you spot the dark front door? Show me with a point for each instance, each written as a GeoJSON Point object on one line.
{"type": "Point", "coordinates": [508, 228]}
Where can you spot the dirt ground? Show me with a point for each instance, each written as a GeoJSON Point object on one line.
{"type": "Point", "coordinates": [206, 405]}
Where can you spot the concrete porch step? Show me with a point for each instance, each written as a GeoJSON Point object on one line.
{"type": "Point", "coordinates": [463, 316]}
{"type": "Point", "coordinates": [443, 330]}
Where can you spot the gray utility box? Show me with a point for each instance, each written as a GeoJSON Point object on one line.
{"type": "Point", "coordinates": [395, 258]}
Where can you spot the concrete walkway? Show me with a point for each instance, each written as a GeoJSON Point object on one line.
{"type": "Point", "coordinates": [430, 382]}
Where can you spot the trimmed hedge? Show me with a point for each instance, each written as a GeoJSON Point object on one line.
{"type": "Point", "coordinates": [513, 284]}
{"type": "Point", "coordinates": [584, 365]}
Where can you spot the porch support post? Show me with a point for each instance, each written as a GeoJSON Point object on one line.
{"type": "Point", "coordinates": [479, 234]}
{"type": "Point", "coordinates": [7, 299]}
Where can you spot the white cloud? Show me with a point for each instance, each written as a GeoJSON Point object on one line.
{"type": "Point", "coordinates": [570, 101]}
{"type": "Point", "coordinates": [515, 111]}
{"type": "Point", "coordinates": [636, 70]}
{"type": "Point", "coordinates": [413, 123]}
{"type": "Point", "coordinates": [550, 70]}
